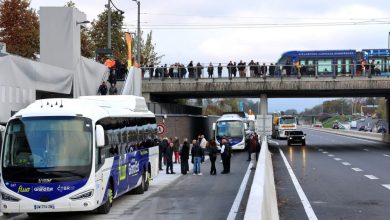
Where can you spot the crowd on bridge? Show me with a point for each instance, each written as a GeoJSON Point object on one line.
{"type": "Point", "coordinates": [172, 151]}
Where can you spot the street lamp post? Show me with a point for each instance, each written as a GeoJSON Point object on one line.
{"type": "Point", "coordinates": [138, 33]}
{"type": "Point", "coordinates": [109, 25]}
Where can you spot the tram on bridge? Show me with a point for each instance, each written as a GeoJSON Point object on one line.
{"type": "Point", "coordinates": [337, 62]}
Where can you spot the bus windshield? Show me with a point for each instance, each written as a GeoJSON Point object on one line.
{"type": "Point", "coordinates": [288, 120]}
{"type": "Point", "coordinates": [47, 147]}
{"type": "Point", "coordinates": [230, 129]}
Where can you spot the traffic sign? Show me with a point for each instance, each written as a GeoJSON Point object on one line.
{"type": "Point", "coordinates": [160, 128]}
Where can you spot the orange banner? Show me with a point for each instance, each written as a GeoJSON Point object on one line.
{"type": "Point", "coordinates": [128, 41]}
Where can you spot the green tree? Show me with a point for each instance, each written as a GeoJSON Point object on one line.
{"type": "Point", "coordinates": [148, 53]}
{"type": "Point", "coordinates": [98, 34]}
{"type": "Point", "coordinates": [19, 28]}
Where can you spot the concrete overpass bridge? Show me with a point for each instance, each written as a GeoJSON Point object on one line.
{"type": "Point", "coordinates": [157, 90]}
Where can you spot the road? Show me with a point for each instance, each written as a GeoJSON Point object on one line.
{"type": "Point", "coordinates": [342, 177]}
{"type": "Point", "coordinates": [186, 197]}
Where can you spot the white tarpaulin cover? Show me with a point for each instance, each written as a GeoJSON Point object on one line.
{"type": "Point", "coordinates": [133, 83]}
{"type": "Point", "coordinates": [88, 77]}
{"type": "Point", "coordinates": [20, 78]}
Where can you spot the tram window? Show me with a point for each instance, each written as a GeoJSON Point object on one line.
{"type": "Point", "coordinates": [325, 66]}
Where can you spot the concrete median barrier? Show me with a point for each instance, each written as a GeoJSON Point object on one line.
{"type": "Point", "coordinates": [262, 201]}
{"type": "Point", "coordinates": [352, 133]}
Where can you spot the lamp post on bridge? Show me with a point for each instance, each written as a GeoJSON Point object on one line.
{"type": "Point", "coordinates": [138, 33]}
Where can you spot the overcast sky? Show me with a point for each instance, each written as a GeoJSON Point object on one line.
{"type": "Point", "coordinates": [224, 30]}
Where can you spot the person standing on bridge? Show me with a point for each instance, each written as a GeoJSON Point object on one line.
{"type": "Point", "coordinates": [226, 155]}
{"type": "Point", "coordinates": [241, 68]}
{"type": "Point", "coordinates": [210, 70]}
{"type": "Point", "coordinates": [197, 155]}
{"type": "Point", "coordinates": [191, 71]}
{"type": "Point", "coordinates": [234, 69]}
{"type": "Point", "coordinates": [230, 69]}
{"type": "Point", "coordinates": [219, 70]}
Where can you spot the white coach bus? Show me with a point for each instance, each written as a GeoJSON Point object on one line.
{"type": "Point", "coordinates": [63, 155]}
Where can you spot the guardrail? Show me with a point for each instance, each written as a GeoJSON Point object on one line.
{"type": "Point", "coordinates": [262, 201]}
{"type": "Point", "coordinates": [351, 133]}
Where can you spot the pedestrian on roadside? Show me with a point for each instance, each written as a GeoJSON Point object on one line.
{"type": "Point", "coordinates": [169, 155]}
{"type": "Point", "coordinates": [213, 151]}
{"type": "Point", "coordinates": [113, 90]}
{"type": "Point", "coordinates": [197, 155]}
{"type": "Point", "coordinates": [102, 89]}
{"type": "Point", "coordinates": [226, 155]}
{"type": "Point", "coordinates": [162, 147]}
{"type": "Point", "coordinates": [176, 146]}
{"type": "Point", "coordinates": [203, 142]}
{"type": "Point", "coordinates": [253, 150]}
{"type": "Point", "coordinates": [184, 156]}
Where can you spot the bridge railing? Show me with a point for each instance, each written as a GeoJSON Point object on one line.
{"type": "Point", "coordinates": [263, 71]}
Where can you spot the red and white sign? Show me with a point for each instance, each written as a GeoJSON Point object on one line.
{"type": "Point", "coordinates": [160, 128]}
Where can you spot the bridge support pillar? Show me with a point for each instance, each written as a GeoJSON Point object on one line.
{"type": "Point", "coordinates": [263, 105]}
{"type": "Point", "coordinates": [386, 136]}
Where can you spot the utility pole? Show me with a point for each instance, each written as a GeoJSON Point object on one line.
{"type": "Point", "coordinates": [109, 25]}
{"type": "Point", "coordinates": [139, 34]}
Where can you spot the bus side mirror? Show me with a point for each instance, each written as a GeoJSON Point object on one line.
{"type": "Point", "coordinates": [99, 136]}
{"type": "Point", "coordinates": [245, 126]}
{"type": "Point", "coordinates": [213, 126]}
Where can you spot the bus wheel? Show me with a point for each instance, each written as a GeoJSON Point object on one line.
{"type": "Point", "coordinates": [141, 188]}
{"type": "Point", "coordinates": [147, 180]}
{"type": "Point", "coordinates": [105, 208]}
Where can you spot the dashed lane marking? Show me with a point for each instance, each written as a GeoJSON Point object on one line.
{"type": "Point", "coordinates": [386, 155]}
{"type": "Point", "coordinates": [337, 158]}
{"type": "Point", "coordinates": [305, 202]}
{"type": "Point", "coordinates": [346, 164]}
{"type": "Point", "coordinates": [387, 186]}
{"type": "Point", "coordinates": [371, 177]}
{"type": "Point", "coordinates": [324, 152]}
{"type": "Point", "coordinates": [365, 149]}
{"type": "Point", "coordinates": [357, 169]}
{"type": "Point", "coordinates": [330, 155]}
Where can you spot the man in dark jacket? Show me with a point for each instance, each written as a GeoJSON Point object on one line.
{"type": "Point", "coordinates": [162, 147]}
{"type": "Point", "coordinates": [184, 156]}
{"type": "Point", "coordinates": [102, 89]}
{"type": "Point", "coordinates": [226, 155]}
{"type": "Point", "coordinates": [197, 157]}
{"type": "Point", "coordinates": [169, 155]}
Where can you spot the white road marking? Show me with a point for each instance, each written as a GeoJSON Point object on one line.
{"type": "Point", "coordinates": [330, 155]}
{"type": "Point", "coordinates": [371, 177]}
{"type": "Point", "coordinates": [337, 158]}
{"type": "Point", "coordinates": [305, 202]}
{"type": "Point", "coordinates": [357, 169]}
{"type": "Point", "coordinates": [320, 149]}
{"type": "Point", "coordinates": [236, 204]}
{"type": "Point", "coordinates": [324, 152]}
{"type": "Point", "coordinates": [386, 155]}
{"type": "Point", "coordinates": [386, 186]}
{"type": "Point", "coordinates": [346, 163]}
{"type": "Point", "coordinates": [365, 149]}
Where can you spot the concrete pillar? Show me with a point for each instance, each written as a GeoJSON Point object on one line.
{"type": "Point", "coordinates": [263, 104]}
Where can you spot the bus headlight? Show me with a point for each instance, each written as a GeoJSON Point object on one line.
{"type": "Point", "coordinates": [83, 195]}
{"type": "Point", "coordinates": [7, 197]}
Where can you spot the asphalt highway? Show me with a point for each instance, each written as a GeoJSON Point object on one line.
{"type": "Point", "coordinates": [182, 197]}
{"type": "Point", "coordinates": [342, 178]}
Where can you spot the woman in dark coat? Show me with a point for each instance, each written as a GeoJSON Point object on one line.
{"type": "Point", "coordinates": [185, 155]}
{"type": "Point", "coordinates": [213, 151]}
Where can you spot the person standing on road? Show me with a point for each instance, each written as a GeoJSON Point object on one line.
{"type": "Point", "coordinates": [226, 155]}
{"type": "Point", "coordinates": [176, 146]}
{"type": "Point", "coordinates": [213, 151]}
{"type": "Point", "coordinates": [202, 142]}
{"type": "Point", "coordinates": [161, 156]}
{"type": "Point", "coordinates": [184, 156]}
{"type": "Point", "coordinates": [102, 89]}
{"type": "Point", "coordinates": [197, 155]}
{"type": "Point", "coordinates": [253, 150]}
{"type": "Point", "coordinates": [169, 155]}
